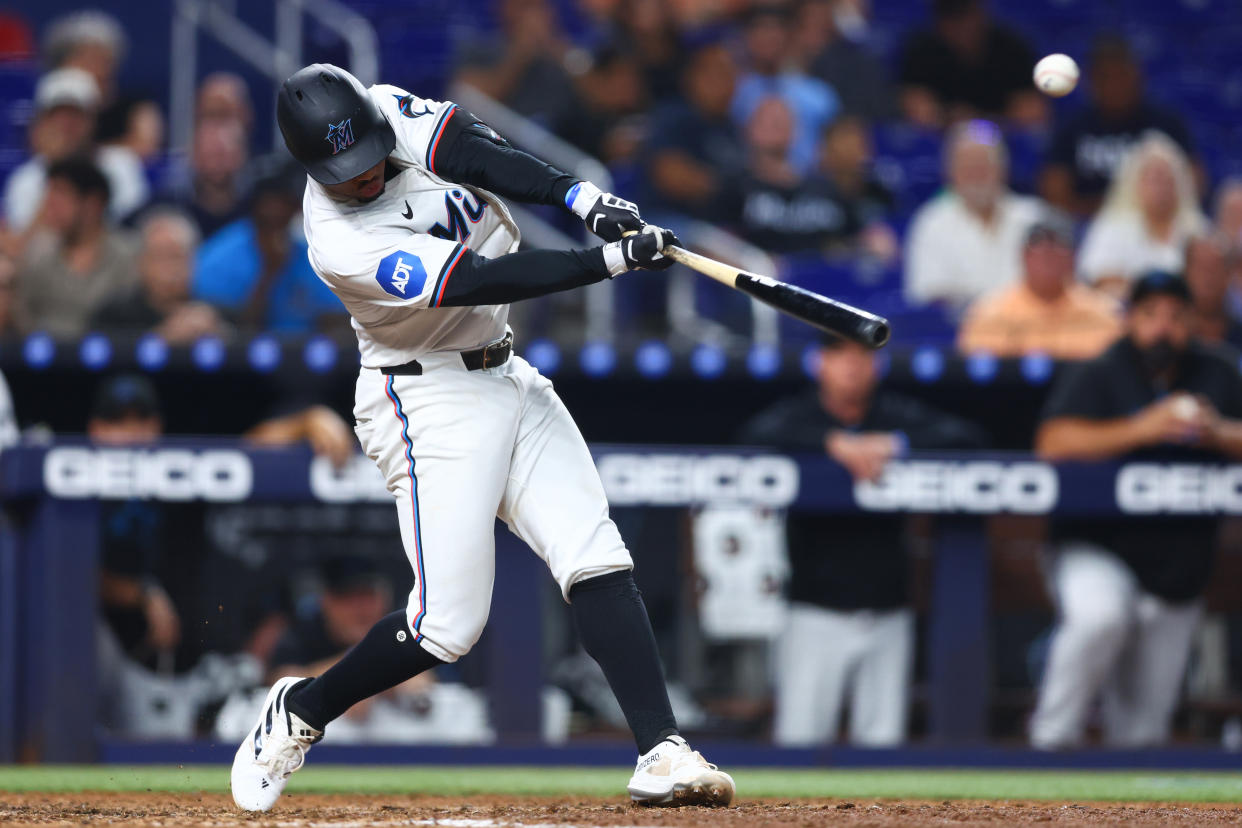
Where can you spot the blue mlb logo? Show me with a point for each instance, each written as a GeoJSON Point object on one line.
{"type": "Point", "coordinates": [340, 135]}
{"type": "Point", "coordinates": [401, 274]}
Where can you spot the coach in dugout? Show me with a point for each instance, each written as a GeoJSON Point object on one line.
{"type": "Point", "coordinates": [1128, 590]}
{"type": "Point", "coordinates": [850, 636]}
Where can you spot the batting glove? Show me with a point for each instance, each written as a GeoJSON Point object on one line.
{"type": "Point", "coordinates": [605, 215]}
{"type": "Point", "coordinates": [643, 250]}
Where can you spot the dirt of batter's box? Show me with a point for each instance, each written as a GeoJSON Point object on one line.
{"type": "Point", "coordinates": [307, 810]}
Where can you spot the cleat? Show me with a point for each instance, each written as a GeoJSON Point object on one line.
{"type": "Point", "coordinates": [271, 751]}
{"type": "Point", "coordinates": [673, 774]}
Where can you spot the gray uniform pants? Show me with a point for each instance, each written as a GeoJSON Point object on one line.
{"type": "Point", "coordinates": [1115, 641]}
{"type": "Point", "coordinates": [826, 657]}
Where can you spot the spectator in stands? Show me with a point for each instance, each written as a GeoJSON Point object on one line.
{"type": "Point", "coordinates": [256, 269]}
{"type": "Point", "coordinates": [1228, 214]}
{"type": "Point", "coordinates": [8, 294]}
{"type": "Point", "coordinates": [1088, 147]}
{"type": "Point", "coordinates": [135, 126]}
{"type": "Point", "coordinates": [784, 212]}
{"type": "Point", "coordinates": [92, 41]}
{"type": "Point", "coordinates": [1150, 213]}
{"type": "Point", "coordinates": [216, 192]}
{"type": "Point", "coordinates": [696, 155]}
{"type": "Point", "coordinates": [850, 635]}
{"type": "Point", "coordinates": [1207, 276]}
{"type": "Point", "coordinates": [770, 72]}
{"type": "Point", "coordinates": [224, 96]}
{"type": "Point", "coordinates": [523, 66]}
{"type": "Point", "coordinates": [968, 240]}
{"type": "Point", "coordinates": [968, 66]}
{"type": "Point", "coordinates": [648, 31]}
{"type": "Point", "coordinates": [161, 301]}
{"type": "Point", "coordinates": [858, 78]}
{"type": "Point", "coordinates": [77, 261]}
{"type": "Point", "coordinates": [1128, 589]}
{"type": "Point", "coordinates": [66, 103]}
{"type": "Point", "coordinates": [1047, 311]}
{"type": "Point", "coordinates": [607, 120]}
{"type": "Point", "coordinates": [845, 161]}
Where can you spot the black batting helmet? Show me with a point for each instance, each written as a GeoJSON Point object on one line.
{"type": "Point", "coordinates": [331, 124]}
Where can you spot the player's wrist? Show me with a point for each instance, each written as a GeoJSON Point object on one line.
{"type": "Point", "coordinates": [614, 259]}
{"type": "Point", "coordinates": [581, 197]}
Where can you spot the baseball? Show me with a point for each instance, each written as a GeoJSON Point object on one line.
{"type": "Point", "coordinates": [1056, 75]}
{"type": "Point", "coordinates": [1186, 407]}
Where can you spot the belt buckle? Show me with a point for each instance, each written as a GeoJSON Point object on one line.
{"type": "Point", "coordinates": [496, 347]}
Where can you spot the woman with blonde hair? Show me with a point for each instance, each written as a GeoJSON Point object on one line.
{"type": "Point", "coordinates": [1148, 215]}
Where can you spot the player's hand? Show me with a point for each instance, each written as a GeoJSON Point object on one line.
{"type": "Point", "coordinates": [605, 215]}
{"type": "Point", "coordinates": [328, 435]}
{"type": "Point", "coordinates": [163, 624]}
{"type": "Point", "coordinates": [1177, 418]}
{"type": "Point", "coordinates": [641, 251]}
{"type": "Point", "coordinates": [863, 455]}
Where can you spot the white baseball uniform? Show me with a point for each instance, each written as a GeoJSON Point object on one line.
{"type": "Point", "coordinates": [457, 447]}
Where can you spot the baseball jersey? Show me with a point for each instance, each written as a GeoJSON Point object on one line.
{"type": "Point", "coordinates": [389, 260]}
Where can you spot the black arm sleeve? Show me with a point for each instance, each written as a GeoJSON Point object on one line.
{"type": "Point", "coordinates": [524, 275]}
{"type": "Point", "coordinates": [470, 152]}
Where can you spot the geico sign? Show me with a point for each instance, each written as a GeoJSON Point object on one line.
{"type": "Point", "coordinates": [1150, 488]}
{"type": "Point", "coordinates": [976, 486]}
{"type": "Point", "coordinates": [685, 479]}
{"type": "Point", "coordinates": [357, 481]}
{"type": "Point", "coordinates": [159, 474]}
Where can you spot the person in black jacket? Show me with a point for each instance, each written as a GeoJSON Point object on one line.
{"type": "Point", "coordinates": [851, 630]}
{"type": "Point", "coordinates": [1128, 589]}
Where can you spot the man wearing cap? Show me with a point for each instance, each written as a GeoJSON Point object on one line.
{"type": "Point", "coordinates": [66, 103]}
{"type": "Point", "coordinates": [1128, 589]}
{"type": "Point", "coordinates": [1047, 311]}
{"type": "Point", "coordinates": [850, 635]}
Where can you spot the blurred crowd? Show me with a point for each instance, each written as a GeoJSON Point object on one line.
{"type": "Point", "coordinates": [760, 116]}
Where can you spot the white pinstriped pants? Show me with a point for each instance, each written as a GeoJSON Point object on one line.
{"type": "Point", "coordinates": [460, 448]}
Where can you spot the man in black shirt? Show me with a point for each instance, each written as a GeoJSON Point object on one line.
{"type": "Point", "coordinates": [851, 632]}
{"type": "Point", "coordinates": [1087, 148]}
{"type": "Point", "coordinates": [1128, 589]}
{"type": "Point", "coordinates": [968, 66]}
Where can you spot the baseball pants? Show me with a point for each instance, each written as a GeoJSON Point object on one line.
{"type": "Point", "coordinates": [826, 657]}
{"type": "Point", "coordinates": [460, 448]}
{"type": "Point", "coordinates": [1115, 641]}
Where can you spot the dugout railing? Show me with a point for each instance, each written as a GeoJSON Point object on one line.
{"type": "Point", "coordinates": [49, 547]}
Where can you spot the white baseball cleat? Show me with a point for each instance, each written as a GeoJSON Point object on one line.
{"type": "Point", "coordinates": [271, 752]}
{"type": "Point", "coordinates": [673, 774]}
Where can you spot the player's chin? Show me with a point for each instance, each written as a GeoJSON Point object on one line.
{"type": "Point", "coordinates": [365, 197]}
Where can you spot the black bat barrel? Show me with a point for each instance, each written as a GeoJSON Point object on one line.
{"type": "Point", "coordinates": [824, 313]}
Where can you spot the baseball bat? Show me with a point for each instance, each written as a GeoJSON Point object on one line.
{"type": "Point", "coordinates": [826, 314]}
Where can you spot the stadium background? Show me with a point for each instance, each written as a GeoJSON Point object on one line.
{"type": "Point", "coordinates": [648, 378]}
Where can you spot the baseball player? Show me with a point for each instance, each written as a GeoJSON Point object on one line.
{"type": "Point", "coordinates": [405, 224]}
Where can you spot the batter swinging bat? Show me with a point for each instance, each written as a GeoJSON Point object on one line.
{"type": "Point", "coordinates": [826, 314]}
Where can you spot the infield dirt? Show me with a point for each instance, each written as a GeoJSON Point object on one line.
{"type": "Point", "coordinates": [307, 810]}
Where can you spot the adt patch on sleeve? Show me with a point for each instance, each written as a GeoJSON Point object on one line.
{"type": "Point", "coordinates": [401, 274]}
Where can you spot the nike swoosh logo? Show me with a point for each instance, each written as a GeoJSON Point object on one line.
{"type": "Point", "coordinates": [407, 212]}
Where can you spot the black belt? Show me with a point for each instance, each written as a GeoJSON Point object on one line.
{"type": "Point", "coordinates": [489, 356]}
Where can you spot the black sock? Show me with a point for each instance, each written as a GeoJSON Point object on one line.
{"type": "Point", "coordinates": [616, 632]}
{"type": "Point", "coordinates": [387, 656]}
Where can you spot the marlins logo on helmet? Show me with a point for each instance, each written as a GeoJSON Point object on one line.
{"type": "Point", "coordinates": [341, 135]}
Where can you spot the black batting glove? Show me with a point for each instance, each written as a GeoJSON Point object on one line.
{"type": "Point", "coordinates": [641, 251]}
{"type": "Point", "coordinates": [604, 214]}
